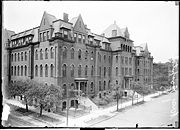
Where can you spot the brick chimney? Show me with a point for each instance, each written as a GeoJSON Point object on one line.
{"type": "Point", "coordinates": [65, 17]}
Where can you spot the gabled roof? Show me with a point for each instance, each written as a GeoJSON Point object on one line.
{"type": "Point", "coordinates": [50, 18]}
{"type": "Point", "coordinates": [74, 20]}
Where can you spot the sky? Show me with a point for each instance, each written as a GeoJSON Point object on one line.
{"type": "Point", "coordinates": [151, 22]}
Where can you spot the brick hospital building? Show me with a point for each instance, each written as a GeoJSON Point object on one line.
{"type": "Point", "coordinates": [66, 53]}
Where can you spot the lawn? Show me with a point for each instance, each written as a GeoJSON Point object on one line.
{"type": "Point", "coordinates": [22, 112]}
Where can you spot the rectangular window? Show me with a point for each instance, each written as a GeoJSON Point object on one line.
{"type": "Point", "coordinates": [83, 39]}
{"type": "Point", "coordinates": [126, 71]}
{"type": "Point", "coordinates": [48, 35]}
{"type": "Point", "coordinates": [44, 36]}
{"type": "Point", "coordinates": [65, 34]}
{"type": "Point", "coordinates": [114, 33]}
{"type": "Point", "coordinates": [122, 60]}
{"type": "Point", "coordinates": [75, 37]}
{"type": "Point", "coordinates": [130, 71]}
{"type": "Point", "coordinates": [130, 61]}
{"type": "Point", "coordinates": [79, 38]}
{"type": "Point", "coordinates": [90, 40]}
{"type": "Point", "coordinates": [122, 71]}
{"type": "Point", "coordinates": [126, 60]}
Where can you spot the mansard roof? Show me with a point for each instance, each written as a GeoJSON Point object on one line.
{"type": "Point", "coordinates": [24, 33]}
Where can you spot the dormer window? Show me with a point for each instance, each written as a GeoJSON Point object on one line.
{"type": "Point", "coordinates": [90, 40]}
{"type": "Point", "coordinates": [65, 34]}
{"type": "Point", "coordinates": [114, 33]}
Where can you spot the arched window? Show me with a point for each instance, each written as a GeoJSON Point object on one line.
{"type": "Point", "coordinates": [46, 70]}
{"type": "Point", "coordinates": [99, 57]}
{"type": "Point", "coordinates": [92, 87]}
{"type": "Point", "coordinates": [65, 90]}
{"type": "Point", "coordinates": [36, 70]}
{"type": "Point", "coordinates": [25, 56]}
{"type": "Point", "coordinates": [116, 59]}
{"type": "Point", "coordinates": [41, 71]}
{"type": "Point", "coordinates": [21, 70]}
{"type": "Point", "coordinates": [79, 54]}
{"type": "Point", "coordinates": [86, 70]}
{"type": "Point", "coordinates": [52, 70]}
{"type": "Point", "coordinates": [52, 53]}
{"type": "Point", "coordinates": [109, 84]}
{"type": "Point", "coordinates": [92, 70]}
{"type": "Point", "coordinates": [126, 47]}
{"type": "Point", "coordinates": [18, 56]}
{"type": "Point", "coordinates": [116, 71]}
{"type": "Point", "coordinates": [99, 85]}
{"type": "Point", "coordinates": [15, 57]}
{"type": "Point", "coordinates": [21, 56]}
{"type": "Point", "coordinates": [92, 55]}
{"type": "Point", "coordinates": [46, 53]}
{"type": "Point", "coordinates": [15, 71]}
{"type": "Point", "coordinates": [109, 59]}
{"type": "Point", "coordinates": [25, 70]}
{"type": "Point", "coordinates": [104, 85]}
{"type": "Point", "coordinates": [64, 53]}
{"type": "Point", "coordinates": [104, 58]}
{"type": "Point", "coordinates": [41, 54]}
{"type": "Point", "coordinates": [64, 70]}
{"type": "Point", "coordinates": [86, 54]}
{"type": "Point", "coordinates": [104, 71]}
{"type": "Point", "coordinates": [109, 71]}
{"type": "Point", "coordinates": [36, 54]}
{"type": "Point", "coordinates": [72, 70]}
{"type": "Point", "coordinates": [79, 70]}
{"type": "Point", "coordinates": [18, 71]}
{"type": "Point", "coordinates": [11, 70]}
{"type": "Point", "coordinates": [72, 53]}
{"type": "Point", "coordinates": [11, 57]}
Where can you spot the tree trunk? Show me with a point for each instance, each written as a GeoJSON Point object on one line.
{"type": "Point", "coordinates": [41, 106]}
{"type": "Point", "coordinates": [26, 104]}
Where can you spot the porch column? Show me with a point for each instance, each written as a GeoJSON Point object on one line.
{"type": "Point", "coordinates": [124, 83]}
{"type": "Point", "coordinates": [129, 83]}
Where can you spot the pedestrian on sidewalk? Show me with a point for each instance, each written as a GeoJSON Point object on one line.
{"type": "Point", "coordinates": [137, 125]}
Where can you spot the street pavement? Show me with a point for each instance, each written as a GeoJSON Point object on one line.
{"type": "Point", "coordinates": [155, 112]}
